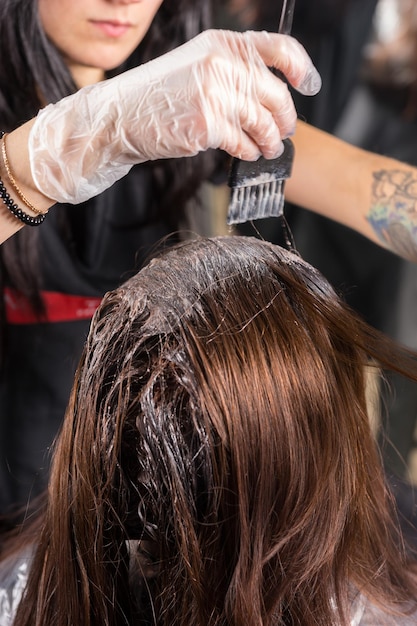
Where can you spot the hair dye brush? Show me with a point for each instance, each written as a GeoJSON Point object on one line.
{"type": "Point", "coordinates": [257, 187]}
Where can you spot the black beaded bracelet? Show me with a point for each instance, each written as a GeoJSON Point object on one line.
{"type": "Point", "coordinates": [27, 219]}
{"type": "Point", "coordinates": [16, 211]}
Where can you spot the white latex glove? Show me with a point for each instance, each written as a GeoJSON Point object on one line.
{"type": "Point", "coordinates": [215, 91]}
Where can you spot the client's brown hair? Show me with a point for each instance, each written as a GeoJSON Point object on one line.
{"type": "Point", "coordinates": [218, 422]}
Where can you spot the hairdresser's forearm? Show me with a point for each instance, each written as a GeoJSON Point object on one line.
{"type": "Point", "coordinates": [17, 154]}
{"type": "Point", "coordinates": [375, 195]}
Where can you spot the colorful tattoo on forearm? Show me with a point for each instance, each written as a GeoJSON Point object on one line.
{"type": "Point", "coordinates": [393, 213]}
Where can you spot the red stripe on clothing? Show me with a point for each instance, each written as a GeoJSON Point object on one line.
{"type": "Point", "coordinates": [59, 307]}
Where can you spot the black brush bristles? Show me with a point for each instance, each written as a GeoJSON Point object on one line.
{"type": "Point", "coordinates": [257, 187]}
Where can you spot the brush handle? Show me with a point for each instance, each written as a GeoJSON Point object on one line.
{"type": "Point", "coordinates": [284, 27]}
{"type": "Point", "coordinates": [287, 14]}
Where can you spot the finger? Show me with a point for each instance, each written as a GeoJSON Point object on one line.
{"type": "Point", "coordinates": [251, 97]}
{"type": "Point", "coordinates": [275, 97]}
{"type": "Point", "coordinates": [238, 143]}
{"type": "Point", "coordinates": [264, 129]}
{"type": "Point", "coordinates": [287, 55]}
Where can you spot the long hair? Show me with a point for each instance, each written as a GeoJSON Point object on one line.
{"type": "Point", "coordinates": [216, 465]}
{"type": "Point", "coordinates": [33, 74]}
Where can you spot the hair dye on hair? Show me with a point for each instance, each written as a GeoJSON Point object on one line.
{"type": "Point", "coordinates": [216, 465]}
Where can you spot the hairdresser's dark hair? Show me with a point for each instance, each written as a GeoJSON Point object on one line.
{"type": "Point", "coordinates": [218, 428]}
{"type": "Point", "coordinates": [33, 73]}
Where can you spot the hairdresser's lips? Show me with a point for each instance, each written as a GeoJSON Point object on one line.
{"type": "Point", "coordinates": [112, 28]}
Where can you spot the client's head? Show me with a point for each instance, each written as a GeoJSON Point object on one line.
{"type": "Point", "coordinates": [218, 422]}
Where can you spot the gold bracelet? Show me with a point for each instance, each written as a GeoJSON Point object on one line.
{"type": "Point", "coordinates": [13, 181]}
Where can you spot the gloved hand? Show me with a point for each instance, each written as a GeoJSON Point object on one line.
{"type": "Point", "coordinates": [215, 91]}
